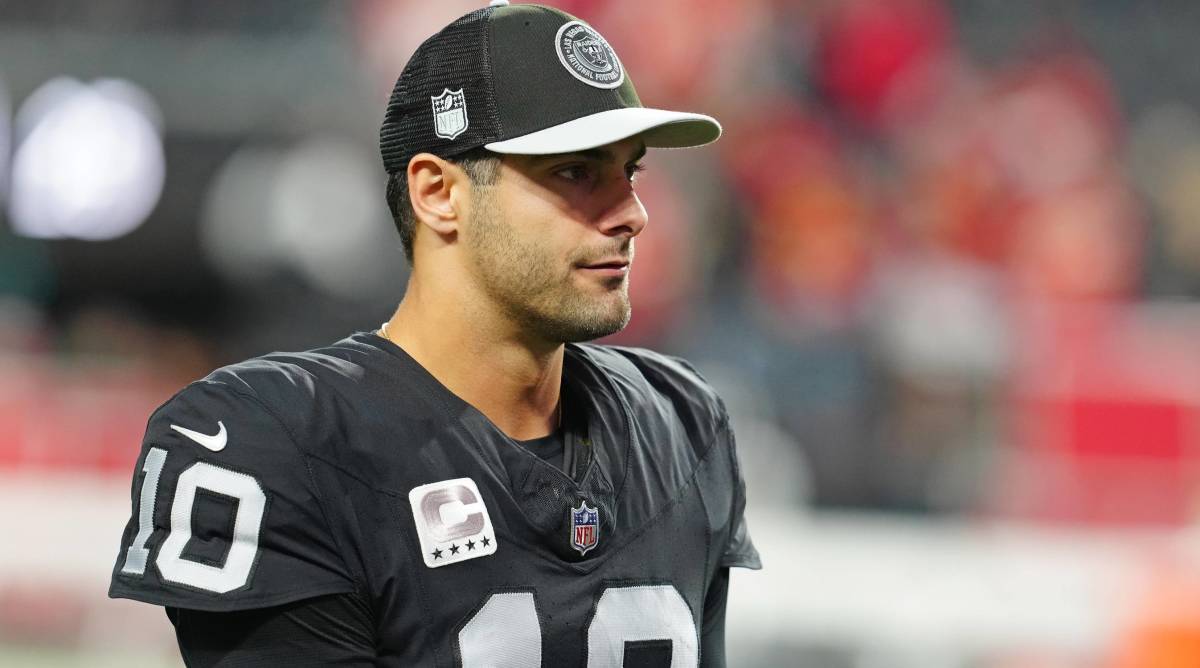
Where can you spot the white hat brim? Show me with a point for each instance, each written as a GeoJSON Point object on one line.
{"type": "Point", "coordinates": [659, 128]}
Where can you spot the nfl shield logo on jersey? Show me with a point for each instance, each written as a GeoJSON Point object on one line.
{"type": "Point", "coordinates": [585, 527]}
{"type": "Point", "coordinates": [449, 113]}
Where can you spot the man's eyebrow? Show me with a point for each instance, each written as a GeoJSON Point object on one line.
{"type": "Point", "coordinates": [595, 154]}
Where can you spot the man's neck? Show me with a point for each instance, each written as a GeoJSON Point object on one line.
{"type": "Point", "coordinates": [514, 383]}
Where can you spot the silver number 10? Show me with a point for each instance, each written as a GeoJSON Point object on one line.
{"type": "Point", "coordinates": [172, 565]}
{"type": "Point", "coordinates": [505, 633]}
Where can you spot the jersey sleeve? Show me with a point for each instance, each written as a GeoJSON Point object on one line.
{"type": "Point", "coordinates": [712, 631]}
{"type": "Point", "coordinates": [335, 630]}
{"type": "Point", "coordinates": [225, 515]}
{"type": "Point", "coordinates": [740, 550]}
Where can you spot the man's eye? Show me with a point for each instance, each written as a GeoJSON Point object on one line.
{"type": "Point", "coordinates": [633, 170]}
{"type": "Point", "coordinates": [574, 173]}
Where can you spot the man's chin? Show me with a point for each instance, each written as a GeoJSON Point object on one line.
{"type": "Point", "coordinates": [595, 327]}
{"type": "Point", "coordinates": [602, 331]}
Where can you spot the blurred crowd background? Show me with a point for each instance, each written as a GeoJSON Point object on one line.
{"type": "Point", "coordinates": [944, 265]}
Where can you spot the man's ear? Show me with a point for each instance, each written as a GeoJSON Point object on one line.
{"type": "Point", "coordinates": [434, 187]}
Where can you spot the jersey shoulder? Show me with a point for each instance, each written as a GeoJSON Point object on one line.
{"type": "Point", "coordinates": [315, 394]}
{"type": "Point", "coordinates": [291, 384]}
{"type": "Point", "coordinates": [664, 387]}
{"type": "Point", "coordinates": [225, 513]}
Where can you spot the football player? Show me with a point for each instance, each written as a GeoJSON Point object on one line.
{"type": "Point", "coordinates": [469, 485]}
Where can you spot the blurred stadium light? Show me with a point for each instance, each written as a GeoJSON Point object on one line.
{"type": "Point", "coordinates": [330, 223]}
{"type": "Point", "coordinates": [312, 208]}
{"type": "Point", "coordinates": [232, 230]}
{"type": "Point", "coordinates": [89, 160]}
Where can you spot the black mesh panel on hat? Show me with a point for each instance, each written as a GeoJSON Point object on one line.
{"type": "Point", "coordinates": [457, 57]}
{"type": "Point", "coordinates": [534, 90]}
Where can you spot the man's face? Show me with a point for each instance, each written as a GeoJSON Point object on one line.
{"type": "Point", "coordinates": [551, 242]}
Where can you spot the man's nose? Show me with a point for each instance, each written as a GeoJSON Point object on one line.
{"type": "Point", "coordinates": [626, 216]}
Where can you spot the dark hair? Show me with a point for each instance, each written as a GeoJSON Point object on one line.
{"type": "Point", "coordinates": [482, 167]}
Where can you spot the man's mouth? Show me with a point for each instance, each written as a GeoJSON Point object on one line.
{"type": "Point", "coordinates": [608, 267]}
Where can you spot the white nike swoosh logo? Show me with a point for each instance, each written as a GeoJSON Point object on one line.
{"type": "Point", "coordinates": [216, 442]}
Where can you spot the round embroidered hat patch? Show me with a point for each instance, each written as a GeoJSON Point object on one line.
{"type": "Point", "coordinates": [587, 56]}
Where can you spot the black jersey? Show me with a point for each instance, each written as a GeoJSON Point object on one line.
{"type": "Point", "coordinates": [350, 469]}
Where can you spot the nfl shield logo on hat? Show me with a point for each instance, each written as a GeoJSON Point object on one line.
{"type": "Point", "coordinates": [585, 527]}
{"type": "Point", "coordinates": [449, 113]}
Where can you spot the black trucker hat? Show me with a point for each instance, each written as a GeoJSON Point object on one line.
{"type": "Point", "coordinates": [522, 79]}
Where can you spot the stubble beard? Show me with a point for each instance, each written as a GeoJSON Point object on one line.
{"type": "Point", "coordinates": [535, 289]}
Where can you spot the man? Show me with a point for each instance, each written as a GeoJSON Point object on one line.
{"type": "Point", "coordinates": [467, 486]}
